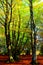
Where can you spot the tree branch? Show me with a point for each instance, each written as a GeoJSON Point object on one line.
{"type": "Point", "coordinates": [11, 13]}
{"type": "Point", "coordinates": [1, 19]}
{"type": "Point", "coordinates": [2, 23]}
{"type": "Point", "coordinates": [2, 3]}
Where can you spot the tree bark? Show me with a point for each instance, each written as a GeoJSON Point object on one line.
{"type": "Point", "coordinates": [33, 44]}
{"type": "Point", "coordinates": [7, 33]}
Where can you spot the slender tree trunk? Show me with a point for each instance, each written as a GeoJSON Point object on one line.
{"type": "Point", "coordinates": [6, 25]}
{"type": "Point", "coordinates": [20, 42]}
{"type": "Point", "coordinates": [15, 53]}
{"type": "Point", "coordinates": [23, 35]}
{"type": "Point", "coordinates": [33, 45]}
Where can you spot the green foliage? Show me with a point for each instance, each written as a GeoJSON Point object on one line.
{"type": "Point", "coordinates": [21, 8]}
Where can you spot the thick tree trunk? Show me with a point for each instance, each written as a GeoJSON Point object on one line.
{"type": "Point", "coordinates": [8, 43]}
{"type": "Point", "coordinates": [7, 33]}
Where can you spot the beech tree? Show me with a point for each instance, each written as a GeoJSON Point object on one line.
{"type": "Point", "coordinates": [5, 5]}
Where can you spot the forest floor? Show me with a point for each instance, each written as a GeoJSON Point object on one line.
{"type": "Point", "coordinates": [24, 60]}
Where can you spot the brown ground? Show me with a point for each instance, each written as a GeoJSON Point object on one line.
{"type": "Point", "coordinates": [24, 60]}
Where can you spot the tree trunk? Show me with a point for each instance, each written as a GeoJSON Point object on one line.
{"type": "Point", "coordinates": [33, 45]}
{"type": "Point", "coordinates": [7, 33]}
